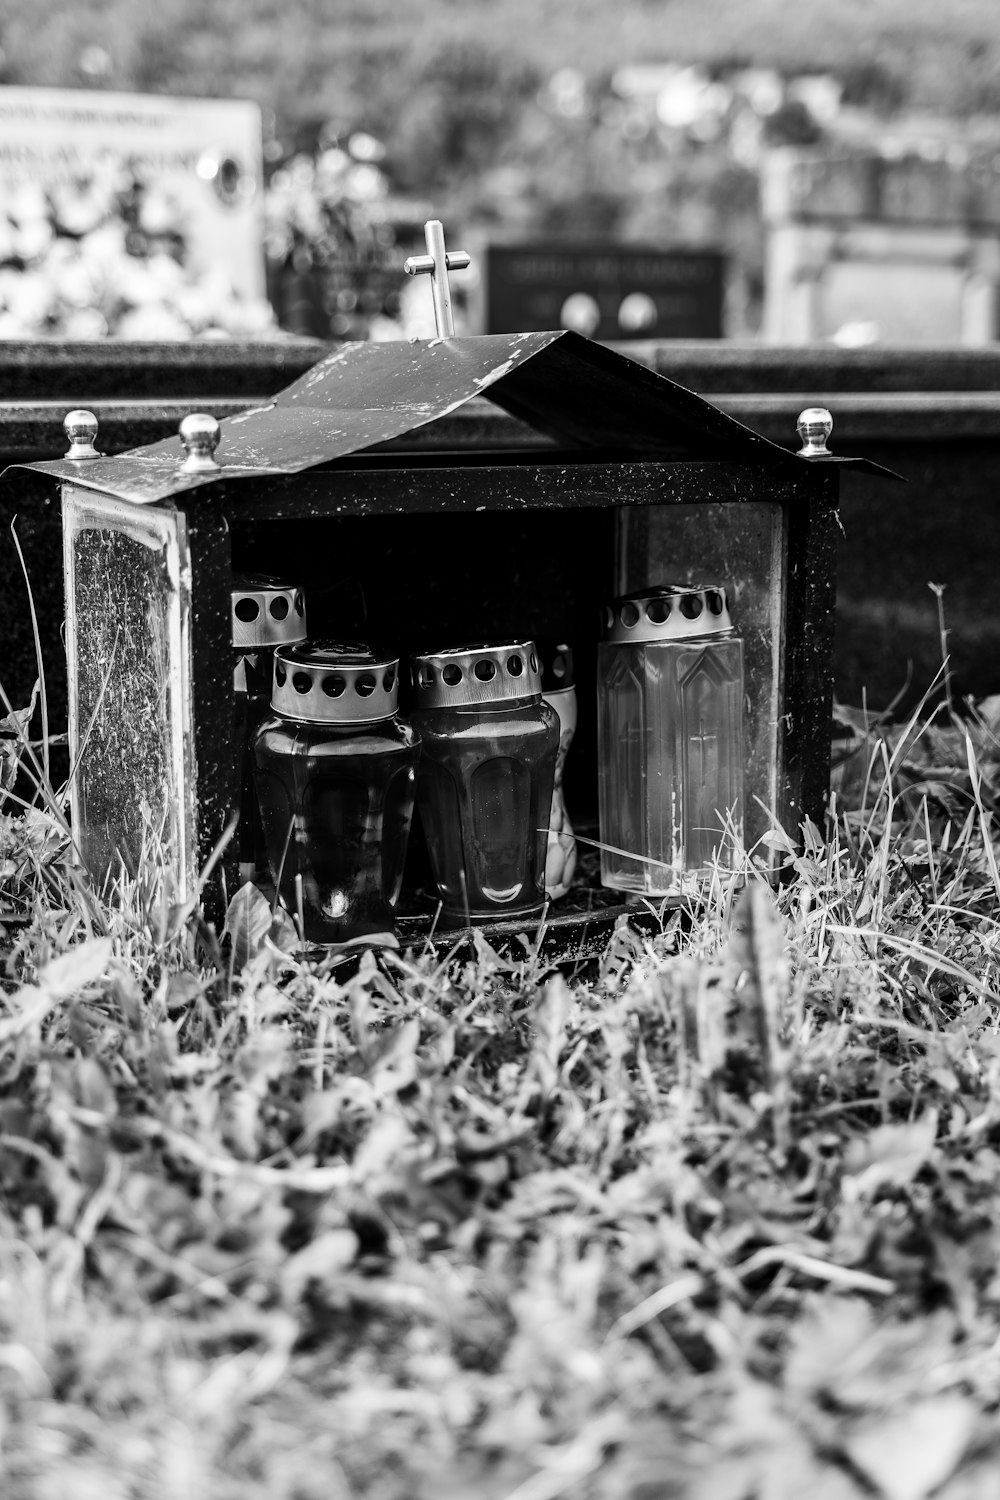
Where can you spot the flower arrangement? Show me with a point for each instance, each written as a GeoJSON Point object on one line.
{"type": "Point", "coordinates": [106, 255]}
{"type": "Point", "coordinates": [330, 240]}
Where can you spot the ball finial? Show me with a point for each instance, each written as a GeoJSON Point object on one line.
{"type": "Point", "coordinates": [80, 428]}
{"type": "Point", "coordinates": [200, 435]}
{"type": "Point", "coordinates": [814, 427]}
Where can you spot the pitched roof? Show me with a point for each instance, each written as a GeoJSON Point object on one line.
{"type": "Point", "coordinates": [577, 392]}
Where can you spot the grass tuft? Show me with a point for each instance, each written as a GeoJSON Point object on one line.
{"type": "Point", "coordinates": [711, 1219]}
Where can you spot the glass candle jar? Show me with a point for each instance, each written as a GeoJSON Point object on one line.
{"type": "Point", "coordinates": [335, 772]}
{"type": "Point", "coordinates": [559, 692]}
{"type": "Point", "coordinates": [486, 774]}
{"type": "Point", "coordinates": [265, 612]}
{"type": "Point", "coordinates": [669, 737]}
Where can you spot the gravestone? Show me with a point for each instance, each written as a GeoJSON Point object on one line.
{"type": "Point", "coordinates": [866, 248]}
{"type": "Point", "coordinates": [203, 157]}
{"type": "Point", "coordinates": [604, 291]}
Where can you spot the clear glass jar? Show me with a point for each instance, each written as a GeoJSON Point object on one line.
{"type": "Point", "coordinates": [486, 774]}
{"type": "Point", "coordinates": [335, 774]}
{"type": "Point", "coordinates": [669, 738]}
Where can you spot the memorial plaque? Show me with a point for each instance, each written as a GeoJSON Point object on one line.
{"type": "Point", "coordinates": [606, 292]}
{"type": "Point", "coordinates": [203, 155]}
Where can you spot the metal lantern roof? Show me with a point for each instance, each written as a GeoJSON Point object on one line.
{"type": "Point", "coordinates": [580, 394]}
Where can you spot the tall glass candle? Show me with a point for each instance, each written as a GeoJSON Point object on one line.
{"type": "Point", "coordinates": [670, 737]}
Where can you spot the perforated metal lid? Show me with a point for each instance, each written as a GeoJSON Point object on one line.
{"type": "Point", "coordinates": [671, 612]}
{"type": "Point", "coordinates": [266, 611]}
{"type": "Point", "coordinates": [334, 682]}
{"type": "Point", "coordinates": [476, 676]}
{"type": "Point", "coordinates": [555, 660]}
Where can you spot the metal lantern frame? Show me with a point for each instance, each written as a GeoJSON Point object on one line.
{"type": "Point", "coordinates": [380, 483]}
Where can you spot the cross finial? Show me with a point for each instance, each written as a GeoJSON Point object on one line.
{"type": "Point", "coordinates": [437, 263]}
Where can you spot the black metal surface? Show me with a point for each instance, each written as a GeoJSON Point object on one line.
{"type": "Point", "coordinates": [864, 464]}
{"type": "Point", "coordinates": [214, 754]}
{"type": "Point", "coordinates": [810, 604]}
{"type": "Point", "coordinates": [507, 486]}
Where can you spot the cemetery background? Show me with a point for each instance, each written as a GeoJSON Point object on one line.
{"type": "Point", "coordinates": [518, 129]}
{"type": "Point", "coordinates": [714, 1219]}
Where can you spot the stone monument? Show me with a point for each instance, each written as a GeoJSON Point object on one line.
{"type": "Point", "coordinates": [865, 248]}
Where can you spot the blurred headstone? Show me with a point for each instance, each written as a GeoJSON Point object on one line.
{"type": "Point", "coordinates": [865, 248]}
{"type": "Point", "coordinates": [199, 163]}
{"type": "Point", "coordinates": [608, 292]}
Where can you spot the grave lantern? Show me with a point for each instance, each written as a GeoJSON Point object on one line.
{"type": "Point", "coordinates": [334, 771]}
{"type": "Point", "coordinates": [670, 739]}
{"type": "Point", "coordinates": [410, 510]}
{"type": "Point", "coordinates": [486, 777]}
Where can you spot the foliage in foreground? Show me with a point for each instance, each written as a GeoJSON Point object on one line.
{"type": "Point", "coordinates": [714, 1219]}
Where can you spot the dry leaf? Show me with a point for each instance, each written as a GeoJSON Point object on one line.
{"type": "Point", "coordinates": [248, 921]}
{"type": "Point", "coordinates": [908, 1454]}
{"type": "Point", "coordinates": [757, 947]}
{"type": "Point", "coordinates": [323, 1261]}
{"type": "Point", "coordinates": [391, 1058]}
{"type": "Point", "coordinates": [891, 1155]}
{"type": "Point", "coordinates": [57, 981]}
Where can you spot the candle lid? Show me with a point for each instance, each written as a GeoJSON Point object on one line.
{"type": "Point", "coordinates": [476, 676]}
{"type": "Point", "coordinates": [266, 611]}
{"type": "Point", "coordinates": [670, 612]}
{"type": "Point", "coordinates": [556, 662]}
{"type": "Point", "coordinates": [334, 682]}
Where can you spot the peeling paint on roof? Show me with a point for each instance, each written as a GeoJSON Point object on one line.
{"type": "Point", "coordinates": [245, 416]}
{"type": "Point", "coordinates": [581, 394]}
{"type": "Point", "coordinates": [498, 373]}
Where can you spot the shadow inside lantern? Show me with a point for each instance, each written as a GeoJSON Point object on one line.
{"type": "Point", "coordinates": [421, 583]}
{"type": "Point", "coordinates": [424, 582]}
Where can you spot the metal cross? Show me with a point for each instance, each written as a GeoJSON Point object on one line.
{"type": "Point", "coordinates": [437, 263]}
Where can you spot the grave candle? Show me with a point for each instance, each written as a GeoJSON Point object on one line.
{"type": "Point", "coordinates": [559, 692]}
{"type": "Point", "coordinates": [335, 769]}
{"type": "Point", "coordinates": [266, 612]}
{"type": "Point", "coordinates": [486, 775]}
{"type": "Point", "coordinates": [669, 738]}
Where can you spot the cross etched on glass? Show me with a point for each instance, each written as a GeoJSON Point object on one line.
{"type": "Point", "coordinates": [703, 741]}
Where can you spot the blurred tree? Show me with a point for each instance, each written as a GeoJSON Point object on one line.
{"type": "Point", "coordinates": [872, 84]}
{"type": "Point", "coordinates": [460, 113]}
{"type": "Point", "coordinates": [365, 59]}
{"type": "Point", "coordinates": [503, 112]}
